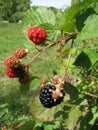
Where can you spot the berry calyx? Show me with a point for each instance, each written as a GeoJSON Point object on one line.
{"type": "Point", "coordinates": [58, 82]}
{"type": "Point", "coordinates": [20, 53]}
{"type": "Point", "coordinates": [51, 96]}
{"type": "Point", "coordinates": [11, 73]}
{"type": "Point", "coordinates": [37, 35]}
{"type": "Point", "coordinates": [12, 61]}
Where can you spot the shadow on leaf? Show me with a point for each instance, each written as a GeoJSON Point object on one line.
{"type": "Point", "coordinates": [82, 17]}
{"type": "Point", "coordinates": [71, 91]}
{"type": "Point", "coordinates": [82, 61]}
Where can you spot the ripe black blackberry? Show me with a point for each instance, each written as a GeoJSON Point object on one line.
{"type": "Point", "coordinates": [22, 74]}
{"type": "Point", "coordinates": [46, 96]}
{"type": "Point", "coordinates": [24, 79]}
{"type": "Point", "coordinates": [20, 70]}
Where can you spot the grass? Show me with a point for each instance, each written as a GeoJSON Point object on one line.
{"type": "Point", "coordinates": [11, 37]}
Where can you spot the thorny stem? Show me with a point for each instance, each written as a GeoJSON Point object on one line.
{"type": "Point", "coordinates": [67, 37]}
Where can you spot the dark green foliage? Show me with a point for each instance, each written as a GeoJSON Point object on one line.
{"type": "Point", "coordinates": [82, 17]}
{"type": "Point", "coordinates": [83, 61]}
{"type": "Point", "coordinates": [13, 10]}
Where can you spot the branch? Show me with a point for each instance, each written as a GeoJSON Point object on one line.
{"type": "Point", "coordinates": [67, 37]}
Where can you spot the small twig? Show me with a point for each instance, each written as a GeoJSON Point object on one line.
{"type": "Point", "coordinates": [88, 94]}
{"type": "Point", "coordinates": [39, 52]}
{"type": "Point", "coordinates": [18, 126]}
{"type": "Point", "coordinates": [90, 75]}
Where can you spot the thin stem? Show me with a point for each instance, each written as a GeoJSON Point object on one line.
{"type": "Point", "coordinates": [93, 81]}
{"type": "Point", "coordinates": [68, 37]}
{"type": "Point", "coordinates": [69, 58]}
{"type": "Point", "coordinates": [88, 94]}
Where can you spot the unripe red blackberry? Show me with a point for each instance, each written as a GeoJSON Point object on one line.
{"type": "Point", "coordinates": [37, 35]}
{"type": "Point", "coordinates": [12, 61]}
{"type": "Point", "coordinates": [20, 53]}
{"type": "Point", "coordinates": [50, 96]}
{"type": "Point", "coordinates": [11, 73]}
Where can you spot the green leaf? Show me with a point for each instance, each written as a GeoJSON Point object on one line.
{"type": "Point", "coordinates": [93, 56]}
{"type": "Point", "coordinates": [73, 116]}
{"type": "Point", "coordinates": [42, 113]}
{"type": "Point", "coordinates": [35, 84]}
{"type": "Point", "coordinates": [52, 32]}
{"type": "Point", "coordinates": [23, 118]}
{"type": "Point", "coordinates": [28, 126]}
{"type": "Point", "coordinates": [32, 85]}
{"type": "Point", "coordinates": [83, 61]}
{"type": "Point", "coordinates": [90, 30]}
{"type": "Point", "coordinates": [84, 122]}
{"type": "Point", "coordinates": [80, 20]}
{"type": "Point", "coordinates": [68, 21]}
{"type": "Point", "coordinates": [95, 115]}
{"type": "Point", "coordinates": [48, 127]}
{"type": "Point", "coordinates": [39, 15]}
{"type": "Point", "coordinates": [86, 59]}
{"type": "Point", "coordinates": [95, 7]}
{"type": "Point", "coordinates": [56, 125]}
{"type": "Point", "coordinates": [38, 124]}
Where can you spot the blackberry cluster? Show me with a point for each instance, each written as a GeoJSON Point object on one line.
{"type": "Point", "coordinates": [14, 67]}
{"type": "Point", "coordinates": [18, 72]}
{"type": "Point", "coordinates": [46, 96]}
